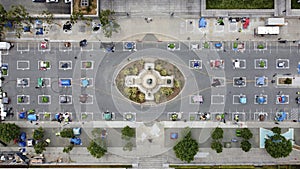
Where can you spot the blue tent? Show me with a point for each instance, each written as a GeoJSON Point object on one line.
{"type": "Point", "coordinates": [22, 115]}
{"type": "Point", "coordinates": [23, 136]}
{"type": "Point", "coordinates": [196, 64]}
{"type": "Point", "coordinates": [298, 68]}
{"type": "Point", "coordinates": [282, 99]}
{"type": "Point", "coordinates": [32, 117]}
{"type": "Point", "coordinates": [281, 116]}
{"type": "Point", "coordinates": [65, 82]}
{"type": "Point", "coordinates": [26, 28]}
{"type": "Point", "coordinates": [8, 24]}
{"type": "Point", "coordinates": [243, 100]}
{"type": "Point", "coordinates": [22, 144]}
{"type": "Point", "coordinates": [202, 23]}
{"type": "Point", "coordinates": [260, 100]}
{"type": "Point", "coordinates": [76, 141]}
{"type": "Point", "coordinates": [39, 31]}
{"type": "Point", "coordinates": [260, 81]}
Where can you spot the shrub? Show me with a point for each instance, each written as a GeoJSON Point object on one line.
{"type": "Point", "coordinates": [276, 130]}
{"type": "Point", "coordinates": [216, 145]}
{"type": "Point", "coordinates": [217, 133]}
{"type": "Point", "coordinates": [38, 134]}
{"type": "Point", "coordinates": [128, 132]}
{"type": "Point", "coordinates": [246, 145]}
{"type": "Point", "coordinates": [246, 134]}
{"type": "Point", "coordinates": [67, 133]}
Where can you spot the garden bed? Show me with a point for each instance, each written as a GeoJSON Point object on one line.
{"type": "Point", "coordinates": [233, 4]}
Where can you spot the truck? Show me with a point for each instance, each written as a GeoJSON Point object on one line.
{"type": "Point", "coordinates": [267, 30]}
{"type": "Point", "coordinates": [275, 22]}
{"type": "Point", "coordinates": [6, 45]}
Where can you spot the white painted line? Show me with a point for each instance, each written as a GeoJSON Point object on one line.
{"type": "Point", "coordinates": [193, 62]}
{"type": "Point", "coordinates": [266, 97]}
{"type": "Point", "coordinates": [89, 97]}
{"type": "Point", "coordinates": [243, 79]}
{"type": "Point", "coordinates": [23, 61]}
{"type": "Point", "coordinates": [265, 79]}
{"type": "Point", "coordinates": [26, 96]}
{"type": "Point", "coordinates": [90, 81]}
{"type": "Point", "coordinates": [238, 98]}
{"type": "Point", "coordinates": [84, 62]}
{"type": "Point", "coordinates": [260, 63]}
{"type": "Point", "coordinates": [68, 62]}
{"type": "Point", "coordinates": [21, 81]}
{"type": "Point", "coordinates": [69, 97]}
{"type": "Point", "coordinates": [282, 63]}
{"type": "Point", "coordinates": [214, 97]}
{"type": "Point", "coordinates": [82, 114]}
{"type": "Point", "coordinates": [24, 50]}
{"type": "Point", "coordinates": [40, 99]}
{"type": "Point", "coordinates": [287, 97]}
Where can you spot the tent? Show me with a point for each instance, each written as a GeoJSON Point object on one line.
{"type": "Point", "coordinates": [261, 100]}
{"type": "Point", "coordinates": [65, 82]}
{"type": "Point", "coordinates": [84, 82]}
{"type": "Point", "coordinates": [246, 23]}
{"type": "Point", "coordinates": [22, 115]}
{"type": "Point", "coordinates": [243, 100]}
{"type": "Point", "coordinates": [22, 143]}
{"type": "Point", "coordinates": [282, 99]}
{"type": "Point", "coordinates": [280, 116]}
{"type": "Point", "coordinates": [32, 117]}
{"type": "Point", "coordinates": [298, 68]}
{"type": "Point", "coordinates": [77, 131]}
{"type": "Point", "coordinates": [26, 28]}
{"type": "Point", "coordinates": [76, 141]}
{"type": "Point", "coordinates": [260, 81]}
{"type": "Point", "coordinates": [202, 23]}
{"type": "Point", "coordinates": [107, 115]}
{"type": "Point", "coordinates": [39, 31]}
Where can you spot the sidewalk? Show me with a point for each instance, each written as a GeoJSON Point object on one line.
{"type": "Point", "coordinates": [166, 28]}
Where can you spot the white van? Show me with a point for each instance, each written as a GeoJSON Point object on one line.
{"type": "Point", "coordinates": [6, 45]}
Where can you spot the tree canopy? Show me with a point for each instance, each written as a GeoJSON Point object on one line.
{"type": "Point", "coordinates": [96, 149]}
{"type": "Point", "coordinates": [9, 131]}
{"type": "Point", "coordinates": [217, 133]}
{"type": "Point", "coordinates": [38, 133]}
{"type": "Point", "coordinates": [67, 133]}
{"type": "Point", "coordinates": [108, 22]}
{"type": "Point", "coordinates": [128, 132]}
{"type": "Point", "coordinates": [217, 145]}
{"type": "Point", "coordinates": [246, 134]}
{"type": "Point", "coordinates": [187, 148]}
{"type": "Point", "coordinates": [246, 145]}
{"type": "Point", "coordinates": [278, 146]}
{"type": "Point", "coordinates": [276, 130]}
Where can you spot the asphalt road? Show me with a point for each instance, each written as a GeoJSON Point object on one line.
{"type": "Point", "coordinates": [104, 96]}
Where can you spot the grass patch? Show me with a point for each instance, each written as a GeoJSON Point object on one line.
{"type": "Point", "coordinates": [242, 4]}
{"type": "Point", "coordinates": [295, 4]}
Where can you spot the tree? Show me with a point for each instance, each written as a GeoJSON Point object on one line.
{"type": "Point", "coordinates": [245, 145]}
{"type": "Point", "coordinates": [278, 146]}
{"type": "Point", "coordinates": [9, 131]}
{"type": "Point", "coordinates": [128, 132]}
{"type": "Point", "coordinates": [78, 15]}
{"type": "Point", "coordinates": [217, 133]}
{"type": "Point", "coordinates": [67, 133]}
{"type": "Point", "coordinates": [246, 134]}
{"type": "Point", "coordinates": [217, 145]}
{"type": "Point", "coordinates": [38, 134]}
{"type": "Point", "coordinates": [47, 16]}
{"type": "Point", "coordinates": [276, 130]}
{"type": "Point", "coordinates": [109, 25]}
{"type": "Point", "coordinates": [187, 148]}
{"type": "Point", "coordinates": [68, 148]}
{"type": "Point", "coordinates": [96, 150]}
{"type": "Point", "coordinates": [40, 147]}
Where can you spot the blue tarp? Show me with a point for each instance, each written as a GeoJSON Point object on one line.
{"type": "Point", "coordinates": [260, 81]}
{"type": "Point", "coordinates": [282, 99]}
{"type": "Point", "coordinates": [196, 64]}
{"type": "Point", "coordinates": [243, 100]}
{"type": "Point", "coordinates": [261, 99]}
{"type": "Point", "coordinates": [76, 141]}
{"type": "Point", "coordinates": [65, 82]}
{"type": "Point", "coordinates": [32, 117]}
{"type": "Point", "coordinates": [281, 117]}
{"type": "Point", "coordinates": [22, 115]}
{"type": "Point", "coordinates": [202, 23]}
{"type": "Point", "coordinates": [22, 144]}
{"type": "Point", "coordinates": [8, 24]}
{"type": "Point", "coordinates": [26, 28]}
{"type": "Point", "coordinates": [298, 68]}
{"type": "Point", "coordinates": [23, 136]}
{"type": "Point", "coordinates": [39, 31]}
